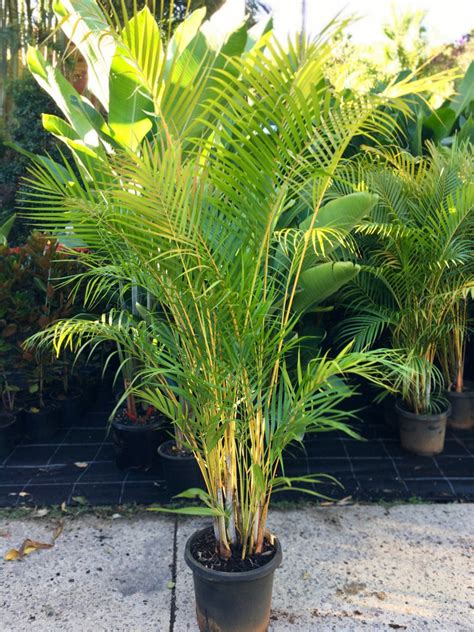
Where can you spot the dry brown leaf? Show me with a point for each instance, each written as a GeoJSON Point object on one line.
{"type": "Point", "coordinates": [58, 531]}
{"type": "Point", "coordinates": [28, 546]}
{"type": "Point", "coordinates": [40, 513]}
{"type": "Point", "coordinates": [345, 501]}
{"type": "Point", "coordinates": [80, 500]}
{"type": "Point", "coordinates": [12, 554]}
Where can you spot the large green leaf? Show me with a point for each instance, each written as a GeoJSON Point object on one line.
{"type": "Point", "coordinates": [322, 281]}
{"type": "Point", "coordinates": [64, 95]}
{"type": "Point", "coordinates": [86, 26]}
{"type": "Point", "coordinates": [440, 122]}
{"type": "Point", "coordinates": [343, 213]}
{"type": "Point", "coordinates": [466, 133]}
{"type": "Point", "coordinates": [465, 92]}
{"type": "Point", "coordinates": [183, 35]}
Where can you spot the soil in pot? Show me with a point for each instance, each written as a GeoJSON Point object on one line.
{"type": "Point", "coordinates": [231, 595]}
{"type": "Point", "coordinates": [422, 434]}
{"type": "Point", "coordinates": [462, 408]}
{"type": "Point", "coordinates": [180, 468]}
{"type": "Point", "coordinates": [70, 406]}
{"type": "Point", "coordinates": [8, 432]}
{"type": "Point", "coordinates": [41, 424]}
{"type": "Point", "coordinates": [136, 442]}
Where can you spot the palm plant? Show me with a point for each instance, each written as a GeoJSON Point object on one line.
{"type": "Point", "coordinates": [191, 210]}
{"type": "Point", "coordinates": [452, 351]}
{"type": "Point", "coordinates": [417, 261]}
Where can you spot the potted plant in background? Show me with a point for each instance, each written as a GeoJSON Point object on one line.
{"type": "Point", "coordinates": [194, 217]}
{"type": "Point", "coordinates": [9, 414]}
{"type": "Point", "coordinates": [137, 428]}
{"type": "Point", "coordinates": [417, 266]}
{"type": "Point", "coordinates": [460, 392]}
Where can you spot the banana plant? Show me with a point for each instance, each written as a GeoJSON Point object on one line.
{"type": "Point", "coordinates": [137, 87]}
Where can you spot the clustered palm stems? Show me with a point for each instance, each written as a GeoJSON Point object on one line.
{"type": "Point", "coordinates": [195, 215]}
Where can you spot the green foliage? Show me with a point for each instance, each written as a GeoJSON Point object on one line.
{"type": "Point", "coordinates": [454, 118]}
{"type": "Point", "coordinates": [30, 300]}
{"type": "Point", "coordinates": [418, 259]}
{"type": "Point", "coordinates": [26, 130]}
{"type": "Point", "coordinates": [213, 215]}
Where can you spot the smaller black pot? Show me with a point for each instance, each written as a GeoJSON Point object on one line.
{"type": "Point", "coordinates": [422, 434]}
{"type": "Point", "coordinates": [136, 445]}
{"type": "Point", "coordinates": [462, 408]}
{"type": "Point", "coordinates": [232, 602]}
{"type": "Point", "coordinates": [70, 407]}
{"type": "Point", "coordinates": [41, 426]}
{"type": "Point", "coordinates": [8, 433]}
{"type": "Point", "coordinates": [181, 472]}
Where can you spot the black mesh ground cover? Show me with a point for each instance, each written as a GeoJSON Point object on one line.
{"type": "Point", "coordinates": [79, 464]}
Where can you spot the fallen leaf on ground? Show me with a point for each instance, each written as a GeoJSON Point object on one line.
{"type": "Point", "coordinates": [40, 513]}
{"type": "Point", "coordinates": [170, 585]}
{"type": "Point", "coordinates": [28, 546]}
{"type": "Point", "coordinates": [351, 588]}
{"type": "Point", "coordinates": [12, 554]}
{"type": "Point", "coordinates": [345, 501]}
{"type": "Point", "coordinates": [80, 500]}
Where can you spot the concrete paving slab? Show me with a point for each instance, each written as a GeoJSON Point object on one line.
{"type": "Point", "coordinates": [363, 568]}
{"type": "Point", "coordinates": [102, 575]}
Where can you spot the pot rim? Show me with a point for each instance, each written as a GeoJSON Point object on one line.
{"type": "Point", "coordinates": [172, 457]}
{"type": "Point", "coordinates": [136, 427]}
{"type": "Point", "coordinates": [226, 577]}
{"type": "Point", "coordinates": [422, 416]}
{"type": "Point", "coordinates": [467, 393]}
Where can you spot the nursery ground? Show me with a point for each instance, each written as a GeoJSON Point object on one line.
{"type": "Point", "coordinates": [79, 463]}
{"type": "Point", "coordinates": [359, 567]}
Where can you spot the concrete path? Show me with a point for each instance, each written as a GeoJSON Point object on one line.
{"type": "Point", "coordinates": [406, 567]}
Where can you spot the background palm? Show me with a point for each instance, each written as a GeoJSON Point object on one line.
{"type": "Point", "coordinates": [417, 259]}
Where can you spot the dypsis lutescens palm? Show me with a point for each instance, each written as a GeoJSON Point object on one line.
{"type": "Point", "coordinates": [195, 219]}
{"type": "Point", "coordinates": [417, 261]}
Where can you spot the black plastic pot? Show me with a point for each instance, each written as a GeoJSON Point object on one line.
{"type": "Point", "coordinates": [42, 425]}
{"type": "Point", "coordinates": [8, 432]}
{"type": "Point", "coordinates": [136, 445]}
{"type": "Point", "coordinates": [462, 408]}
{"type": "Point", "coordinates": [389, 412]}
{"type": "Point", "coordinates": [70, 407]}
{"type": "Point", "coordinates": [422, 434]}
{"type": "Point", "coordinates": [181, 472]}
{"type": "Point", "coordinates": [232, 602]}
